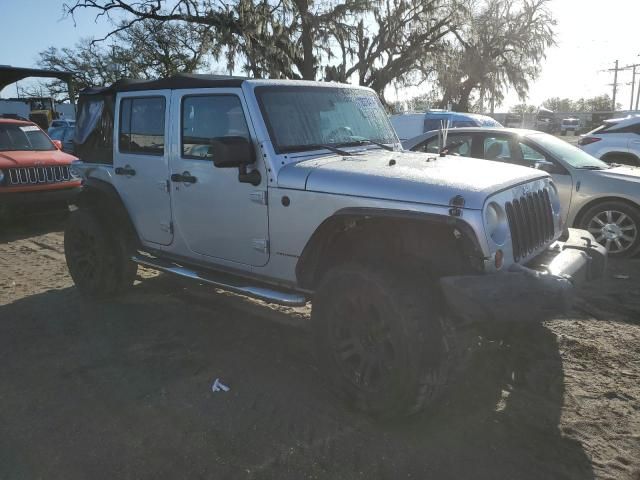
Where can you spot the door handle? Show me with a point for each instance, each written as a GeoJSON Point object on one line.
{"type": "Point", "coordinates": [126, 170]}
{"type": "Point", "coordinates": [184, 177]}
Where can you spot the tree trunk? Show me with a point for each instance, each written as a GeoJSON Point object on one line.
{"type": "Point", "coordinates": [307, 69]}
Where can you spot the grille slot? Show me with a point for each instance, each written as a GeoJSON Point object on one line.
{"type": "Point", "coordinates": [530, 221]}
{"type": "Point", "coordinates": [38, 175]}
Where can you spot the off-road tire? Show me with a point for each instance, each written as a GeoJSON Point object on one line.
{"type": "Point", "coordinates": [97, 255]}
{"type": "Point", "coordinates": [415, 345]}
{"type": "Point", "coordinates": [633, 216]}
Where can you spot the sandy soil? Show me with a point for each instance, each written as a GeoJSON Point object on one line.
{"type": "Point", "coordinates": [121, 389]}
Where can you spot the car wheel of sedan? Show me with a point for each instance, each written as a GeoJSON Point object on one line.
{"type": "Point", "coordinates": [616, 226]}
{"type": "Point", "coordinates": [381, 340]}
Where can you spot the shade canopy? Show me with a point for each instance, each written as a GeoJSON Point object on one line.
{"type": "Point", "coordinates": [9, 74]}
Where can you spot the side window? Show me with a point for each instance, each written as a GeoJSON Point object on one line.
{"type": "Point", "coordinates": [431, 124]}
{"type": "Point", "coordinates": [456, 145]}
{"type": "Point", "coordinates": [530, 155]}
{"type": "Point", "coordinates": [206, 117]}
{"type": "Point", "coordinates": [142, 125]}
{"type": "Point", "coordinates": [430, 146]}
{"type": "Point", "coordinates": [497, 148]}
{"type": "Point", "coordinates": [462, 124]}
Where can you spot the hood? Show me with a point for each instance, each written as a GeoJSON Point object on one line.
{"type": "Point", "coordinates": [31, 158]}
{"type": "Point", "coordinates": [413, 177]}
{"type": "Point", "coordinates": [622, 172]}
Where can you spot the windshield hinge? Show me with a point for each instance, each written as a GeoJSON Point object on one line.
{"type": "Point", "coordinates": [259, 196]}
{"type": "Point", "coordinates": [167, 227]}
{"type": "Point", "coordinates": [261, 245]}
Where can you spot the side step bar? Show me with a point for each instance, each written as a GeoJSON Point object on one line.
{"type": "Point", "coordinates": [225, 282]}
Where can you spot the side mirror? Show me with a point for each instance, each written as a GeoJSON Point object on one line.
{"type": "Point", "coordinates": [230, 152]}
{"type": "Point", "coordinates": [58, 144]}
{"type": "Point", "coordinates": [545, 165]}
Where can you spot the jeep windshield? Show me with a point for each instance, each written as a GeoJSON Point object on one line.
{"type": "Point", "coordinates": [15, 136]}
{"type": "Point", "coordinates": [310, 118]}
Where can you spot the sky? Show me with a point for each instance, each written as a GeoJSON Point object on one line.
{"type": "Point", "coordinates": [591, 35]}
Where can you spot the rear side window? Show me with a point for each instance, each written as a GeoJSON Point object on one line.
{"type": "Point", "coordinates": [142, 125]}
{"type": "Point", "coordinates": [459, 145]}
{"type": "Point", "coordinates": [497, 148]}
{"type": "Point", "coordinates": [206, 117]}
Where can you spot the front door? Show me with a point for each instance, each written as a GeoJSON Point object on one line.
{"type": "Point", "coordinates": [530, 155]}
{"type": "Point", "coordinates": [216, 215]}
{"type": "Point", "coordinates": [141, 162]}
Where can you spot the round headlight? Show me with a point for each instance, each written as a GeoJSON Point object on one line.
{"type": "Point", "coordinates": [495, 221]}
{"type": "Point", "coordinates": [73, 170]}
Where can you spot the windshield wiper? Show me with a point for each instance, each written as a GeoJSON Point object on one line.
{"type": "Point", "coordinates": [592, 167]}
{"type": "Point", "coordinates": [331, 149]}
{"type": "Point", "coordinates": [364, 141]}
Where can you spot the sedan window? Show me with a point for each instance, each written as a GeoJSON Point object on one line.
{"type": "Point", "coordinates": [497, 148]}
{"type": "Point", "coordinates": [531, 155]}
{"type": "Point", "coordinates": [456, 145]}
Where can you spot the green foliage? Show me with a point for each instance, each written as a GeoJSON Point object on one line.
{"type": "Point", "coordinates": [467, 49]}
{"type": "Point", "coordinates": [147, 49]}
{"type": "Point", "coordinates": [523, 108]}
{"type": "Point", "coordinates": [499, 44]}
{"type": "Point", "coordinates": [600, 103]}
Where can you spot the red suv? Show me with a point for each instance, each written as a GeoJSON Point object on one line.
{"type": "Point", "coordinates": [33, 169]}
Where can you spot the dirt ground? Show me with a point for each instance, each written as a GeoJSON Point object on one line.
{"type": "Point", "coordinates": [121, 389]}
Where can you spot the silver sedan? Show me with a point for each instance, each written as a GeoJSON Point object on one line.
{"type": "Point", "coordinates": [599, 197]}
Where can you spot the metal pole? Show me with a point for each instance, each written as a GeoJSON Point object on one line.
{"type": "Point", "coordinates": [633, 86]}
{"type": "Point", "coordinates": [615, 86]}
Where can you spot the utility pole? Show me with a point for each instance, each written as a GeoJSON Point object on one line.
{"type": "Point", "coordinates": [633, 86]}
{"type": "Point", "coordinates": [633, 82]}
{"type": "Point", "coordinates": [615, 85]}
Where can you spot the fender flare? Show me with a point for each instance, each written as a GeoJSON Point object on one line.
{"type": "Point", "coordinates": [105, 198]}
{"type": "Point", "coordinates": [311, 255]}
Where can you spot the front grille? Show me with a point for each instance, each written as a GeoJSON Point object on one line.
{"type": "Point", "coordinates": [38, 175]}
{"type": "Point", "coordinates": [530, 222]}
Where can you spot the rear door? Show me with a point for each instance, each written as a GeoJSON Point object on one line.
{"type": "Point", "coordinates": [141, 162]}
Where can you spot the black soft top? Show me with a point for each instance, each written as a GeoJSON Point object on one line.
{"type": "Point", "coordinates": [181, 81]}
{"type": "Point", "coordinates": [96, 108]}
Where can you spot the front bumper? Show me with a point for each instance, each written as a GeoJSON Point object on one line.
{"type": "Point", "coordinates": [541, 289]}
{"type": "Point", "coordinates": [62, 195]}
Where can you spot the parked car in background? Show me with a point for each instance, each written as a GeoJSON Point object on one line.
{"type": "Point", "coordinates": [61, 122]}
{"type": "Point", "coordinates": [409, 125]}
{"type": "Point", "coordinates": [33, 170]}
{"type": "Point", "coordinates": [545, 121]}
{"type": "Point", "coordinates": [615, 141]}
{"type": "Point", "coordinates": [572, 125]}
{"type": "Point", "coordinates": [65, 135]}
{"type": "Point", "coordinates": [601, 198]}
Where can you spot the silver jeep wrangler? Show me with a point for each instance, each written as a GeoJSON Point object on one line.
{"type": "Point", "coordinates": [292, 192]}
